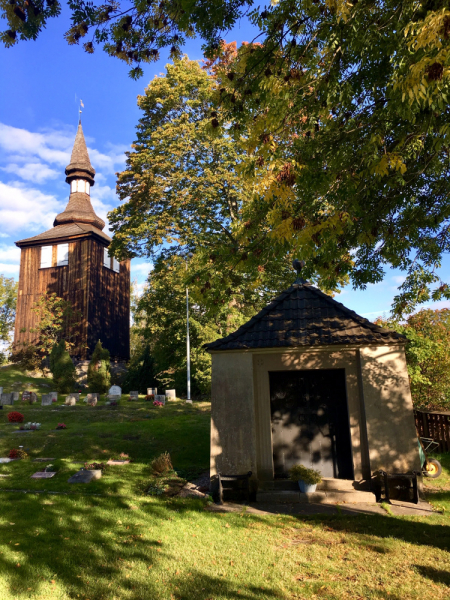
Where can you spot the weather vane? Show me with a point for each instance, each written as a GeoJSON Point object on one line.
{"type": "Point", "coordinates": [81, 106]}
{"type": "Point", "coordinates": [298, 266]}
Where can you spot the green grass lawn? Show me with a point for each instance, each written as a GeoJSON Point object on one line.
{"type": "Point", "coordinates": [125, 544]}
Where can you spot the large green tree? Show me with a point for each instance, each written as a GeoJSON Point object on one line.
{"type": "Point", "coordinates": [161, 318]}
{"type": "Point", "coordinates": [8, 302]}
{"type": "Point", "coordinates": [427, 356]}
{"type": "Point", "coordinates": [182, 192]}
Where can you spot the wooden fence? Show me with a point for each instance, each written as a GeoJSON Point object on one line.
{"type": "Point", "coordinates": [434, 425]}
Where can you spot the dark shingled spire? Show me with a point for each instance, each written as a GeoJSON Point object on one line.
{"type": "Point", "coordinates": [79, 161]}
{"type": "Point", "coordinates": [79, 209]}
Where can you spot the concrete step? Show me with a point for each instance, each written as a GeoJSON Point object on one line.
{"type": "Point", "coordinates": [328, 483]}
{"type": "Point", "coordinates": [319, 497]}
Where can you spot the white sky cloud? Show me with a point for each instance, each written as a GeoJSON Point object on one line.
{"type": "Point", "coordinates": [24, 208]}
{"type": "Point", "coordinates": [36, 171]}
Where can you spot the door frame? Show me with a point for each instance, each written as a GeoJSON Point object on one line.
{"type": "Point", "coordinates": [297, 360]}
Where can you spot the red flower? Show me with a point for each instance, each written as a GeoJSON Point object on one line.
{"type": "Point", "coordinates": [15, 417]}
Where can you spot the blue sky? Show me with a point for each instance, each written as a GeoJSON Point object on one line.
{"type": "Point", "coordinates": [42, 83]}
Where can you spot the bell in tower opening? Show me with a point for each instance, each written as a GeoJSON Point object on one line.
{"type": "Point", "coordinates": [72, 261]}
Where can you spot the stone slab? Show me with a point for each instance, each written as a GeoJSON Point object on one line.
{"type": "Point", "coordinates": [118, 462]}
{"type": "Point", "coordinates": [6, 399]}
{"type": "Point", "coordinates": [43, 459]}
{"type": "Point", "coordinates": [46, 400]}
{"type": "Point", "coordinates": [43, 475]}
{"type": "Point", "coordinates": [115, 390]}
{"type": "Point", "coordinates": [160, 398]}
{"type": "Point", "coordinates": [152, 391]}
{"type": "Point", "coordinates": [15, 396]}
{"type": "Point", "coordinates": [171, 394]}
{"type": "Point", "coordinates": [54, 396]}
{"type": "Point", "coordinates": [84, 476]}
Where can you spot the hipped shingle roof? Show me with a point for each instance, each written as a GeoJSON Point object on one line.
{"type": "Point", "coordinates": [305, 316]}
{"type": "Point", "coordinates": [66, 230]}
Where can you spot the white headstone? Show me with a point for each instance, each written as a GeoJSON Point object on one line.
{"type": "Point", "coordinates": [152, 391]}
{"type": "Point", "coordinates": [170, 395]}
{"type": "Point", "coordinates": [54, 396]}
{"type": "Point", "coordinates": [15, 396]}
{"type": "Point", "coordinates": [160, 399]}
{"type": "Point", "coordinates": [71, 400]}
{"type": "Point", "coordinates": [46, 400]}
{"type": "Point", "coordinates": [115, 390]}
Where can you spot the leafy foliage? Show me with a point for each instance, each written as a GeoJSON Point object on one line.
{"type": "Point", "coordinates": [427, 356]}
{"type": "Point", "coordinates": [141, 373]}
{"type": "Point", "coordinates": [8, 301]}
{"type": "Point", "coordinates": [98, 375]}
{"type": "Point", "coordinates": [56, 321]}
{"type": "Point", "coordinates": [309, 476]}
{"type": "Point", "coordinates": [62, 368]}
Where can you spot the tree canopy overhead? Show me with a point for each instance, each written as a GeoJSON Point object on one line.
{"type": "Point", "coordinates": [339, 114]}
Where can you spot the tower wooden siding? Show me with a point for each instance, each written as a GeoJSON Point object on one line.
{"type": "Point", "coordinates": [99, 295]}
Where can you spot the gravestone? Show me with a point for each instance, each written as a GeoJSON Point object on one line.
{"type": "Point", "coordinates": [15, 396]}
{"type": "Point", "coordinates": [46, 400]}
{"type": "Point", "coordinates": [43, 475]}
{"type": "Point", "coordinates": [115, 390]}
{"type": "Point", "coordinates": [54, 396]}
{"type": "Point", "coordinates": [6, 399]}
{"type": "Point", "coordinates": [134, 395]}
{"type": "Point", "coordinates": [70, 400]}
{"type": "Point", "coordinates": [33, 398]}
{"type": "Point", "coordinates": [1, 391]}
{"type": "Point", "coordinates": [92, 401]}
{"type": "Point", "coordinates": [84, 476]}
{"type": "Point", "coordinates": [160, 399]}
{"type": "Point", "coordinates": [152, 391]}
{"type": "Point", "coordinates": [170, 395]}
{"type": "Point", "coordinates": [26, 397]}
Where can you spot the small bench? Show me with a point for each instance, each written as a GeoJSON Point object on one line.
{"type": "Point", "coordinates": [242, 481]}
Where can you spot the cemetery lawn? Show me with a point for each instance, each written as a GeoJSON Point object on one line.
{"type": "Point", "coordinates": [110, 540]}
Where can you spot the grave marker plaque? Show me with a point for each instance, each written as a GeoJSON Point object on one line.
{"type": "Point", "coordinates": [6, 399]}
{"type": "Point", "coordinates": [26, 397]}
{"type": "Point", "coordinates": [170, 395]}
{"type": "Point", "coordinates": [33, 398]}
{"type": "Point", "coordinates": [54, 396]}
{"type": "Point", "coordinates": [152, 391]}
{"type": "Point", "coordinates": [115, 390]}
{"type": "Point", "coordinates": [160, 398]}
{"type": "Point", "coordinates": [134, 395]}
{"type": "Point", "coordinates": [15, 396]}
{"type": "Point", "coordinates": [71, 400]}
{"type": "Point", "coordinates": [46, 400]}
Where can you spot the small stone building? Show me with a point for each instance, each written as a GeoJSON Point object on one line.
{"type": "Point", "coordinates": [308, 381]}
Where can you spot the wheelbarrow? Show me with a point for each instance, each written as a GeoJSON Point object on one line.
{"type": "Point", "coordinates": [430, 466]}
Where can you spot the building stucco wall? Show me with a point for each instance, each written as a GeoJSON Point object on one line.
{"type": "Point", "coordinates": [233, 430]}
{"type": "Point", "coordinates": [388, 405]}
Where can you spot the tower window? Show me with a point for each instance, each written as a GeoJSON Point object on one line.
{"type": "Point", "coordinates": [88, 187]}
{"type": "Point", "coordinates": [62, 255]}
{"type": "Point", "coordinates": [73, 186]}
{"type": "Point", "coordinates": [46, 256]}
{"type": "Point", "coordinates": [81, 187]}
{"type": "Point", "coordinates": [116, 265]}
{"type": "Point", "coordinates": [106, 258]}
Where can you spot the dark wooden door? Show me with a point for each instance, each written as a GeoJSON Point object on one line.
{"type": "Point", "coordinates": [310, 424]}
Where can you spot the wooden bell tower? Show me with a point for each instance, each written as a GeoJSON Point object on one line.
{"type": "Point", "coordinates": [72, 260]}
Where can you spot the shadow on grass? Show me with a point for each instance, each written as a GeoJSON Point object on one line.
{"type": "Point", "coordinates": [436, 575]}
{"type": "Point", "coordinates": [96, 548]}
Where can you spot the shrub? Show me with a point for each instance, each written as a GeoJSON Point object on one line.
{"type": "Point", "coordinates": [309, 476]}
{"type": "Point", "coordinates": [161, 465]}
{"type": "Point", "coordinates": [17, 453]}
{"type": "Point", "coordinates": [141, 373]}
{"type": "Point", "coordinates": [98, 375]}
{"type": "Point", "coordinates": [62, 368]}
{"type": "Point", "coordinates": [15, 417]}
{"type": "Point", "coordinates": [150, 397]}
{"type": "Point", "coordinates": [95, 466]}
